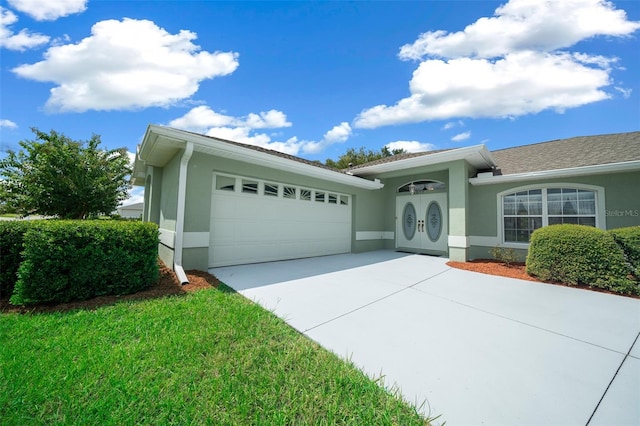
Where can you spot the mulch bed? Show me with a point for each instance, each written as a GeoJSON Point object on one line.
{"type": "Point", "coordinates": [167, 285]}
{"type": "Point", "coordinates": [518, 270]}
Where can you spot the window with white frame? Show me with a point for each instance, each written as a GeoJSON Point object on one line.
{"type": "Point", "coordinates": [529, 209]}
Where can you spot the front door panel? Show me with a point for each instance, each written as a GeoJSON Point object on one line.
{"type": "Point", "coordinates": [422, 224]}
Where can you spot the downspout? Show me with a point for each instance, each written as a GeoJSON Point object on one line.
{"type": "Point", "coordinates": [182, 195]}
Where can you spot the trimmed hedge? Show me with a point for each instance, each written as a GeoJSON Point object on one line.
{"type": "Point", "coordinates": [78, 260]}
{"type": "Point", "coordinates": [629, 240]}
{"type": "Point", "coordinates": [578, 254]}
{"type": "Point", "coordinates": [11, 236]}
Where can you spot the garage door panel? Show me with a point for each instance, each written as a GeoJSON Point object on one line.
{"type": "Point", "coordinates": [250, 228]}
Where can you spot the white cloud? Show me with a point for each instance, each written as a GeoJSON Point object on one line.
{"type": "Point", "coordinates": [525, 25]}
{"type": "Point", "coordinates": [49, 10]}
{"type": "Point", "coordinates": [461, 137]}
{"type": "Point", "coordinates": [202, 119]}
{"type": "Point", "coordinates": [452, 124]}
{"type": "Point", "coordinates": [136, 195]}
{"type": "Point", "coordinates": [21, 41]}
{"type": "Point", "coordinates": [126, 64]}
{"type": "Point", "coordinates": [8, 124]}
{"type": "Point", "coordinates": [411, 146]}
{"type": "Point", "coordinates": [508, 65]}
{"type": "Point", "coordinates": [339, 133]}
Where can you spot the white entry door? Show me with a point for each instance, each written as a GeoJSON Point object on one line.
{"type": "Point", "coordinates": [421, 223]}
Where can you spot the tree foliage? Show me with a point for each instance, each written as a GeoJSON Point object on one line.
{"type": "Point", "coordinates": [355, 157]}
{"type": "Point", "coordinates": [57, 176]}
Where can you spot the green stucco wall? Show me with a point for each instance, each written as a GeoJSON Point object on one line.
{"type": "Point", "coordinates": [169, 199]}
{"type": "Point", "coordinates": [621, 194]}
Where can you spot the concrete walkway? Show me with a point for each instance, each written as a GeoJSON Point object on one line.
{"type": "Point", "coordinates": [474, 348]}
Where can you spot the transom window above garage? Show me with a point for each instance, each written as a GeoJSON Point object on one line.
{"type": "Point", "coordinates": [276, 190]}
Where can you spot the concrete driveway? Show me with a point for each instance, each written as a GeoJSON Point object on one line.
{"type": "Point", "coordinates": [474, 348]}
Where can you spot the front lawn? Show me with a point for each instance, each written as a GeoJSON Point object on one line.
{"type": "Point", "coordinates": [208, 357]}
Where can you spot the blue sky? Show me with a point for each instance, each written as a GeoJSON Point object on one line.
{"type": "Point", "coordinates": [316, 78]}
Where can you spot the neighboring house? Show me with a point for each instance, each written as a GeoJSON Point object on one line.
{"type": "Point", "coordinates": [131, 211]}
{"type": "Point", "coordinates": [221, 203]}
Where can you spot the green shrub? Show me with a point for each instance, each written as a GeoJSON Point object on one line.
{"type": "Point", "coordinates": [629, 240]}
{"type": "Point", "coordinates": [577, 254]}
{"type": "Point", "coordinates": [505, 255]}
{"type": "Point", "coordinates": [78, 260]}
{"type": "Point", "coordinates": [11, 236]}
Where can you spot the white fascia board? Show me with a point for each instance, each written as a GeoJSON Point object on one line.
{"type": "Point", "coordinates": [627, 166]}
{"type": "Point", "coordinates": [212, 145]}
{"type": "Point", "coordinates": [477, 155]}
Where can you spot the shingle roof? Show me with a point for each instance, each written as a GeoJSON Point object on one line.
{"type": "Point", "coordinates": [552, 155]}
{"type": "Point", "coordinates": [396, 157]}
{"type": "Point", "coordinates": [569, 153]}
{"type": "Point", "coordinates": [269, 151]}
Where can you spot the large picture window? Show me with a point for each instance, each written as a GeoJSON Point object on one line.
{"type": "Point", "coordinates": [525, 211]}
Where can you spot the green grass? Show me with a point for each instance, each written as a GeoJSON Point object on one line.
{"type": "Point", "coordinates": [210, 357]}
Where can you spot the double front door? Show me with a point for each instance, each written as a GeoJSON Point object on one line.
{"type": "Point", "coordinates": [421, 222]}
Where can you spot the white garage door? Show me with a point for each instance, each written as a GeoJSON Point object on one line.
{"type": "Point", "coordinates": [259, 221]}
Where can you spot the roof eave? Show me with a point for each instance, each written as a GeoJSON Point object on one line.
{"type": "Point", "coordinates": [212, 145]}
{"type": "Point", "coordinates": [477, 155]}
{"type": "Point", "coordinates": [627, 166]}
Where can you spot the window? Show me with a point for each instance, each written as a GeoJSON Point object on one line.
{"type": "Point", "coordinates": [525, 211]}
{"type": "Point", "coordinates": [419, 186]}
{"type": "Point", "coordinates": [289, 192]}
{"type": "Point", "coordinates": [522, 213]}
{"type": "Point", "coordinates": [320, 196]}
{"type": "Point", "coordinates": [271, 189]}
{"type": "Point", "coordinates": [333, 199]}
{"type": "Point", "coordinates": [305, 194]}
{"type": "Point", "coordinates": [249, 186]}
{"type": "Point", "coordinates": [225, 183]}
{"type": "Point", "coordinates": [571, 206]}
{"type": "Point", "coordinates": [344, 200]}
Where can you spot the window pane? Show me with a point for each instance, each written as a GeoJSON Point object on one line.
{"type": "Point", "coordinates": [523, 208]}
{"type": "Point", "coordinates": [570, 219]}
{"type": "Point", "coordinates": [535, 223]}
{"type": "Point", "coordinates": [535, 208]}
{"type": "Point", "coordinates": [509, 223]}
{"type": "Point", "coordinates": [554, 207]}
{"type": "Point", "coordinates": [305, 194]}
{"type": "Point", "coordinates": [510, 208]}
{"type": "Point", "coordinates": [523, 223]}
{"type": "Point", "coordinates": [289, 192]}
{"type": "Point", "coordinates": [333, 199]}
{"type": "Point", "coordinates": [522, 236]}
{"type": "Point", "coordinates": [555, 220]}
{"type": "Point", "coordinates": [510, 236]}
{"type": "Point", "coordinates": [588, 221]}
{"type": "Point", "coordinates": [587, 207]}
{"type": "Point", "coordinates": [249, 186]}
{"type": "Point", "coordinates": [225, 183]}
{"type": "Point", "coordinates": [344, 200]}
{"type": "Point", "coordinates": [271, 189]}
{"type": "Point", "coordinates": [320, 197]}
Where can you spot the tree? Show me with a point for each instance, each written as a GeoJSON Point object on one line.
{"type": "Point", "coordinates": [353, 158]}
{"type": "Point", "coordinates": [56, 176]}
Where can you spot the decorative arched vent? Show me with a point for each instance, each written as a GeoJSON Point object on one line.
{"type": "Point", "coordinates": [420, 186]}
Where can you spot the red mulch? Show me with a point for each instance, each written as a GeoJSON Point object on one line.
{"type": "Point", "coordinates": [167, 285]}
{"type": "Point", "coordinates": [517, 270]}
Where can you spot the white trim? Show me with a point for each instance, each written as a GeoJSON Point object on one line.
{"type": "Point", "coordinates": [626, 166]}
{"type": "Point", "coordinates": [195, 239]}
{"type": "Point", "coordinates": [225, 149]}
{"type": "Point", "coordinates": [477, 155]}
{"type": "Point", "coordinates": [601, 219]}
{"type": "Point", "coordinates": [456, 241]}
{"type": "Point", "coordinates": [482, 241]}
{"type": "Point", "coordinates": [374, 235]}
{"type": "Point", "coordinates": [167, 237]}
{"type": "Point", "coordinates": [182, 195]}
